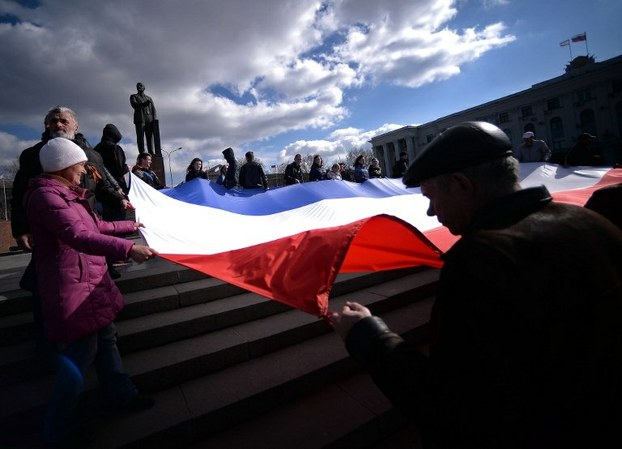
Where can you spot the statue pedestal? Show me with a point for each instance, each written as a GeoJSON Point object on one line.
{"type": "Point", "coordinates": [157, 165]}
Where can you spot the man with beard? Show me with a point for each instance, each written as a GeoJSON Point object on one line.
{"type": "Point", "coordinates": [59, 122]}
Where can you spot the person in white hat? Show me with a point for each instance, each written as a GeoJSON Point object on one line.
{"type": "Point", "coordinates": [79, 300]}
{"type": "Point", "coordinates": [532, 150]}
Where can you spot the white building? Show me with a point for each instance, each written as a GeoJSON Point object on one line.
{"type": "Point", "coordinates": [587, 98]}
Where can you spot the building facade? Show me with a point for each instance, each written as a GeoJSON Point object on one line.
{"type": "Point", "coordinates": [587, 98]}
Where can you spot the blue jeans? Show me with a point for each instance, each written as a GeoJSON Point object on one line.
{"type": "Point", "coordinates": [72, 360]}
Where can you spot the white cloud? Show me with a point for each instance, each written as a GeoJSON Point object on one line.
{"type": "Point", "coordinates": [292, 62]}
{"type": "Point", "coordinates": [336, 145]}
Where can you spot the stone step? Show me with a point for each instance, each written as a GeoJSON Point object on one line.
{"type": "Point", "coordinates": [159, 366]}
{"type": "Point", "coordinates": [214, 356]}
{"type": "Point", "coordinates": [156, 324]}
{"type": "Point", "coordinates": [210, 406]}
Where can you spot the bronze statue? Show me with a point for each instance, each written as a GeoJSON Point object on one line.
{"type": "Point", "coordinates": [145, 121]}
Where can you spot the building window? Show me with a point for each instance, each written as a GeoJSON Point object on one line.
{"type": "Point", "coordinates": [553, 103]}
{"type": "Point", "coordinates": [556, 126]}
{"type": "Point", "coordinates": [616, 86]}
{"type": "Point", "coordinates": [526, 111]}
{"type": "Point", "coordinates": [429, 138]}
{"type": "Point", "coordinates": [587, 120]}
{"type": "Point", "coordinates": [584, 95]}
{"type": "Point", "coordinates": [504, 117]}
{"type": "Point", "coordinates": [508, 132]}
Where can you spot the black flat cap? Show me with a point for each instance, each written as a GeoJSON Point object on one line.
{"type": "Point", "coordinates": [459, 147]}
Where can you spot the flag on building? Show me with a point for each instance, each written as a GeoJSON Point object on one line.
{"type": "Point", "coordinates": [579, 37]}
{"type": "Point", "coordinates": [289, 243]}
{"type": "Point", "coordinates": [564, 43]}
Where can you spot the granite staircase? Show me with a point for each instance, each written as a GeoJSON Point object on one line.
{"type": "Point", "coordinates": [227, 368]}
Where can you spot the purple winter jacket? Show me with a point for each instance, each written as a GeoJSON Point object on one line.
{"type": "Point", "coordinates": [78, 297]}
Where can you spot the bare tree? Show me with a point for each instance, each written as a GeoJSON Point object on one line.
{"type": "Point", "coordinates": [8, 172]}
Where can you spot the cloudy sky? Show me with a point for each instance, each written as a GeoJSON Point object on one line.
{"type": "Point", "coordinates": [279, 76]}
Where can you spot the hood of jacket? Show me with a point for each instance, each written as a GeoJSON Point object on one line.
{"type": "Point", "coordinates": [111, 133]}
{"type": "Point", "coordinates": [228, 154]}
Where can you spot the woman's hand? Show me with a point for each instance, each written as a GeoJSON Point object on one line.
{"type": "Point", "coordinates": [141, 253]}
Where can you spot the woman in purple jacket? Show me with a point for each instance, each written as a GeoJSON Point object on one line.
{"type": "Point", "coordinates": [79, 300]}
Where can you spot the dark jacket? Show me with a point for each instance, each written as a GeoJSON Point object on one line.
{"type": "Point", "coordinates": [525, 349]}
{"type": "Point", "coordinates": [192, 174]}
{"type": "Point", "coordinates": [252, 176]}
{"type": "Point", "coordinates": [360, 173]}
{"type": "Point", "coordinates": [374, 172]}
{"type": "Point", "coordinates": [315, 174]}
{"type": "Point", "coordinates": [148, 176]}
{"type": "Point", "coordinates": [231, 178]}
{"type": "Point", "coordinates": [113, 155]}
{"type": "Point", "coordinates": [78, 297]}
{"type": "Point", "coordinates": [95, 181]}
{"type": "Point", "coordinates": [607, 201]}
{"type": "Point", "coordinates": [399, 168]}
{"type": "Point", "coordinates": [293, 173]}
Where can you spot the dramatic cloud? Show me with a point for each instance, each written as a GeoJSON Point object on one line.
{"type": "Point", "coordinates": [222, 73]}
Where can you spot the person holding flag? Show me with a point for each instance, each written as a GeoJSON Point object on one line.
{"type": "Point", "coordinates": [525, 348]}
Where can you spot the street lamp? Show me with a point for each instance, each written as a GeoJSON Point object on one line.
{"type": "Point", "coordinates": [168, 153]}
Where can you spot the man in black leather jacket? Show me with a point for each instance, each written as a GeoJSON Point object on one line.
{"type": "Point", "coordinates": [59, 122]}
{"type": "Point", "coordinates": [526, 346]}
{"type": "Point", "coordinates": [252, 175]}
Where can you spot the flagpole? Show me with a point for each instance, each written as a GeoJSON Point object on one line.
{"type": "Point", "coordinates": [587, 53]}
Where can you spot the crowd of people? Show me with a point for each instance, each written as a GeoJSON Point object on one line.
{"type": "Point", "coordinates": [525, 347]}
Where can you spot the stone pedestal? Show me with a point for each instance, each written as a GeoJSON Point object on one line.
{"type": "Point", "coordinates": [157, 165]}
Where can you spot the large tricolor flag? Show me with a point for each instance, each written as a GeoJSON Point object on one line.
{"type": "Point", "coordinates": [289, 243]}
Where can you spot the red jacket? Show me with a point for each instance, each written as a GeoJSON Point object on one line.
{"type": "Point", "coordinates": [78, 297]}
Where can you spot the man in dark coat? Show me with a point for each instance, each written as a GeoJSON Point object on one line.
{"type": "Point", "coordinates": [59, 122]}
{"type": "Point", "coordinates": [293, 172]}
{"type": "Point", "coordinates": [252, 175]}
{"type": "Point", "coordinates": [401, 165]}
{"type": "Point", "coordinates": [526, 348]}
{"type": "Point", "coordinates": [114, 160]}
{"type": "Point", "coordinates": [231, 177]}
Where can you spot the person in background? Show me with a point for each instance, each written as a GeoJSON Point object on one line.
{"type": "Point", "coordinates": [142, 169]}
{"type": "Point", "coordinates": [607, 201]}
{"type": "Point", "coordinates": [374, 169]}
{"type": "Point", "coordinates": [401, 165]}
{"type": "Point", "coordinates": [316, 174]}
{"type": "Point", "coordinates": [532, 150]}
{"type": "Point", "coordinates": [223, 173]}
{"type": "Point", "coordinates": [583, 153]}
{"type": "Point", "coordinates": [115, 162]}
{"type": "Point", "coordinates": [79, 299]}
{"type": "Point", "coordinates": [334, 173]}
{"type": "Point", "coordinates": [293, 172]}
{"type": "Point", "coordinates": [231, 177]}
{"type": "Point", "coordinates": [525, 348]}
{"type": "Point", "coordinates": [346, 173]}
{"type": "Point", "coordinates": [252, 175]}
{"type": "Point", "coordinates": [195, 170]}
{"type": "Point", "coordinates": [360, 172]}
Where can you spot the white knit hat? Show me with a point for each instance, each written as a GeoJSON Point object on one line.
{"type": "Point", "coordinates": [60, 153]}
